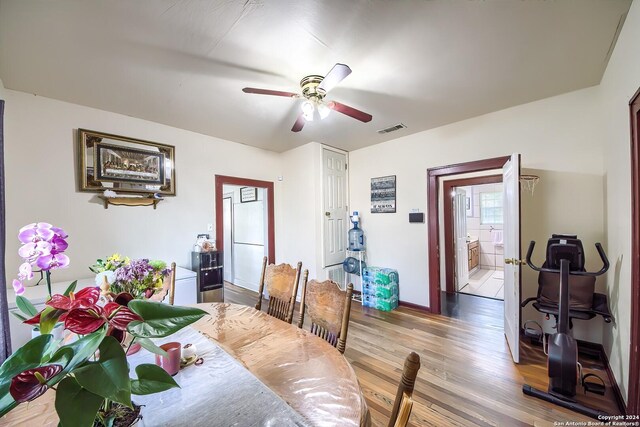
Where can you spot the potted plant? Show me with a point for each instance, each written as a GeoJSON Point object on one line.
{"type": "Point", "coordinates": [90, 375]}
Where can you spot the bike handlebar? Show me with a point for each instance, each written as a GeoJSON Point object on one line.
{"type": "Point", "coordinates": [603, 257]}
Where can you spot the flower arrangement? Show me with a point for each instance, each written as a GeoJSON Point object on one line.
{"type": "Point", "coordinates": [43, 246]}
{"type": "Point", "coordinates": [90, 375]}
{"type": "Point", "coordinates": [141, 277]}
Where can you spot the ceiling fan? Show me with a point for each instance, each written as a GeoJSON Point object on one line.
{"type": "Point", "coordinates": [314, 89]}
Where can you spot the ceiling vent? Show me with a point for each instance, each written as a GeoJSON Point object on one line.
{"type": "Point", "coordinates": [392, 128]}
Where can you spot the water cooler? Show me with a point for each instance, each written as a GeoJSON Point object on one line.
{"type": "Point", "coordinates": [210, 278]}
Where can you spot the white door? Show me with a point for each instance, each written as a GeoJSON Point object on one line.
{"type": "Point", "coordinates": [227, 226]}
{"type": "Point", "coordinates": [460, 235]}
{"type": "Point", "coordinates": [334, 188]}
{"type": "Point", "coordinates": [511, 237]}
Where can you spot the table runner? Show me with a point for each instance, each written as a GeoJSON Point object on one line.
{"type": "Point", "coordinates": [220, 392]}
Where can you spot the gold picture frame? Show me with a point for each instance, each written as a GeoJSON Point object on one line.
{"type": "Point", "coordinates": [124, 165]}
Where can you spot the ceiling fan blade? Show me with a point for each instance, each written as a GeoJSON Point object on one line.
{"type": "Point", "coordinates": [335, 76]}
{"type": "Point", "coordinates": [350, 111]}
{"type": "Point", "coordinates": [299, 124]}
{"type": "Point", "coordinates": [269, 92]}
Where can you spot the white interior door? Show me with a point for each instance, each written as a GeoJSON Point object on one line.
{"type": "Point", "coordinates": [334, 188]}
{"type": "Point", "coordinates": [511, 237]}
{"type": "Point", "coordinates": [227, 225]}
{"type": "Point", "coordinates": [460, 235]}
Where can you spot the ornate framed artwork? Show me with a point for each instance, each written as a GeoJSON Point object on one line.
{"type": "Point", "coordinates": [124, 165]}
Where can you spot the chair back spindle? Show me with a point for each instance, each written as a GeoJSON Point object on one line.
{"type": "Point", "coordinates": [403, 402]}
{"type": "Point", "coordinates": [281, 282]}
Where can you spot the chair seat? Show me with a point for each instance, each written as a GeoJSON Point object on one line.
{"type": "Point", "coordinates": [599, 307]}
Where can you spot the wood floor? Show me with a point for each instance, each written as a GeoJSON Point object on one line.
{"type": "Point", "coordinates": [467, 377]}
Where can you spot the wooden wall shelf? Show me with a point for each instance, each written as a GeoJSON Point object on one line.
{"type": "Point", "coordinates": [129, 201]}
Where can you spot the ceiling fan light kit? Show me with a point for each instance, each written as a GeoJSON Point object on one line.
{"type": "Point", "coordinates": [314, 88]}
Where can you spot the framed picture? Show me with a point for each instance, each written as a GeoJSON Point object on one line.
{"type": "Point", "coordinates": [248, 194]}
{"type": "Point", "coordinates": [383, 194]}
{"type": "Point", "coordinates": [125, 165]}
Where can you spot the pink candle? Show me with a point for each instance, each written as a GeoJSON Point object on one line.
{"type": "Point", "coordinates": [171, 362]}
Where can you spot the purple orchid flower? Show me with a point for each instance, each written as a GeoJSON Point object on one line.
{"type": "Point", "coordinates": [58, 244]}
{"type": "Point", "coordinates": [25, 272]}
{"type": "Point", "coordinates": [53, 261]}
{"type": "Point", "coordinates": [17, 287]}
{"type": "Point", "coordinates": [41, 231]}
{"type": "Point", "coordinates": [30, 251]}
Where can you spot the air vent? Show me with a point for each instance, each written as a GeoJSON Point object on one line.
{"type": "Point", "coordinates": [392, 128]}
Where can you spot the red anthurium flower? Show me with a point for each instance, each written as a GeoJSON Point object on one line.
{"type": "Point", "coordinates": [84, 320]}
{"type": "Point", "coordinates": [35, 320]}
{"type": "Point", "coordinates": [31, 383]}
{"type": "Point", "coordinates": [84, 298]}
{"type": "Point", "coordinates": [119, 316]}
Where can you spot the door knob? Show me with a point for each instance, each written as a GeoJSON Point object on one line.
{"type": "Point", "coordinates": [514, 261]}
{"type": "Point", "coordinates": [327, 213]}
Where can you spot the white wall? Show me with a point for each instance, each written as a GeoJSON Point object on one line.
{"type": "Point", "coordinates": [621, 80]}
{"type": "Point", "coordinates": [41, 184]}
{"type": "Point", "coordinates": [561, 134]}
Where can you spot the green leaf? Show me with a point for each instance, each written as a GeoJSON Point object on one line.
{"type": "Point", "coordinates": [26, 357]}
{"type": "Point", "coordinates": [150, 346]}
{"type": "Point", "coordinates": [19, 316]}
{"type": "Point", "coordinates": [151, 379]}
{"type": "Point", "coordinates": [48, 319]}
{"type": "Point", "coordinates": [161, 320]}
{"type": "Point", "coordinates": [25, 306]}
{"type": "Point", "coordinates": [71, 288]}
{"type": "Point", "coordinates": [81, 350]}
{"type": "Point", "coordinates": [109, 376]}
{"type": "Point", "coordinates": [76, 406]}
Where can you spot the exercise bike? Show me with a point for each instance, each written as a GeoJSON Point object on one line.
{"type": "Point", "coordinates": [562, 270]}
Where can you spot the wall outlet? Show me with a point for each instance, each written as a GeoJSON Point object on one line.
{"type": "Point", "coordinates": [209, 227]}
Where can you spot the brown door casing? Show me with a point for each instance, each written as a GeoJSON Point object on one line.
{"type": "Point", "coordinates": [633, 400]}
{"type": "Point", "coordinates": [433, 227]}
{"type": "Point", "coordinates": [449, 238]}
{"type": "Point", "coordinates": [232, 180]}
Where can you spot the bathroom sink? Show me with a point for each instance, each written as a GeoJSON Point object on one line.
{"type": "Point", "coordinates": [471, 239]}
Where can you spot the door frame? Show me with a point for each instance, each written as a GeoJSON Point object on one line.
{"type": "Point", "coordinates": [449, 240]}
{"type": "Point", "coordinates": [227, 267]}
{"type": "Point", "coordinates": [433, 226]}
{"type": "Point", "coordinates": [633, 400]}
{"type": "Point", "coordinates": [221, 180]}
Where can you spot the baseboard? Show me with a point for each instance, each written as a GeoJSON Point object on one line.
{"type": "Point", "coordinates": [599, 348]}
{"type": "Point", "coordinates": [414, 306]}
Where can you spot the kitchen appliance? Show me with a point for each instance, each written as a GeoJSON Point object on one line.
{"type": "Point", "coordinates": [210, 278]}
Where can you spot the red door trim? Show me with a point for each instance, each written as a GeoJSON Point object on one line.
{"type": "Point", "coordinates": [633, 400]}
{"type": "Point", "coordinates": [245, 182]}
{"type": "Point", "coordinates": [433, 226]}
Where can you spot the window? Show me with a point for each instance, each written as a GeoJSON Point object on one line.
{"type": "Point", "coordinates": [491, 208]}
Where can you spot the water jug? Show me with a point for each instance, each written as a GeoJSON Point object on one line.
{"type": "Point", "coordinates": [356, 235]}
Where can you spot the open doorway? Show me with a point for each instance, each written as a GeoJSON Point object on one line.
{"type": "Point", "coordinates": [510, 167]}
{"type": "Point", "coordinates": [244, 228]}
{"type": "Point", "coordinates": [473, 234]}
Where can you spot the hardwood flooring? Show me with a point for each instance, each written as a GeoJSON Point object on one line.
{"type": "Point", "coordinates": [467, 377]}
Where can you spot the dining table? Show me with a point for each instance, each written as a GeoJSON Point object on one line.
{"type": "Point", "coordinates": [257, 370]}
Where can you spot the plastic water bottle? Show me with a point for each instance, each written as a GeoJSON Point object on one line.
{"type": "Point", "coordinates": [356, 235]}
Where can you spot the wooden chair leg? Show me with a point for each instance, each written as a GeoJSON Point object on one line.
{"type": "Point", "coordinates": [172, 286]}
{"type": "Point", "coordinates": [261, 288]}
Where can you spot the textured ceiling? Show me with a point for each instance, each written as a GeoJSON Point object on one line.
{"type": "Point", "coordinates": [423, 63]}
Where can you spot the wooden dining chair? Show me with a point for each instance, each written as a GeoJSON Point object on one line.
{"type": "Point", "coordinates": [404, 400]}
{"type": "Point", "coordinates": [168, 287]}
{"type": "Point", "coordinates": [282, 285]}
{"type": "Point", "coordinates": [329, 308]}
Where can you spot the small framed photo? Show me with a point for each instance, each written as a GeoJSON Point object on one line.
{"type": "Point", "coordinates": [248, 194]}
{"type": "Point", "coordinates": [470, 205]}
{"type": "Point", "coordinates": [383, 194]}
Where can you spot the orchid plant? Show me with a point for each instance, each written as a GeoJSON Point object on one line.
{"type": "Point", "coordinates": [43, 246]}
{"type": "Point", "coordinates": [91, 374]}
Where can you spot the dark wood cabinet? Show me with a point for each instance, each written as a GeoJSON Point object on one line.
{"type": "Point", "coordinates": [474, 255]}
